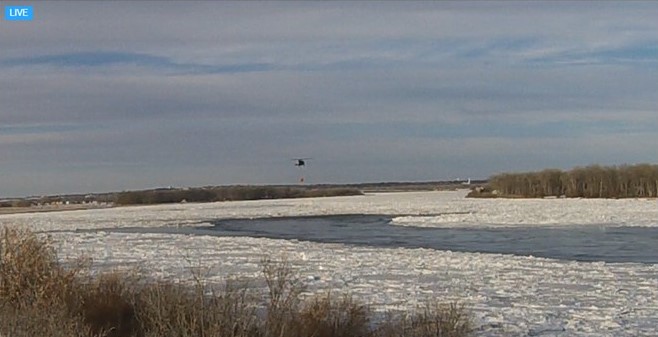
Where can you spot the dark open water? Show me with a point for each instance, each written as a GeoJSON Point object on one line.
{"type": "Point", "coordinates": [580, 243]}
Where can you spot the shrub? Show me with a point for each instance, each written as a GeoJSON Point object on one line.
{"type": "Point", "coordinates": [331, 315]}
{"type": "Point", "coordinates": [29, 270]}
{"type": "Point", "coordinates": [39, 297]}
{"type": "Point", "coordinates": [32, 321]}
{"type": "Point", "coordinates": [226, 193]}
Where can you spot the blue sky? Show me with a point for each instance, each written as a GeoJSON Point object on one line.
{"type": "Point", "coordinates": [107, 96]}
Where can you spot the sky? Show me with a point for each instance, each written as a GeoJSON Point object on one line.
{"type": "Point", "coordinates": [123, 95]}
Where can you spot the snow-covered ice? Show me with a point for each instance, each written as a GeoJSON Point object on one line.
{"type": "Point", "coordinates": [509, 295]}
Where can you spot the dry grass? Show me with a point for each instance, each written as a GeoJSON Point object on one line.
{"type": "Point", "coordinates": [31, 321]}
{"type": "Point", "coordinates": [332, 315]}
{"type": "Point", "coordinates": [30, 273]}
{"type": "Point", "coordinates": [433, 319]}
{"type": "Point", "coordinates": [39, 297]}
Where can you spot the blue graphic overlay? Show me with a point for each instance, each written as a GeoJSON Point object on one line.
{"type": "Point", "coordinates": [19, 13]}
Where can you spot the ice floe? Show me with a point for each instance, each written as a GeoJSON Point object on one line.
{"type": "Point", "coordinates": [508, 295]}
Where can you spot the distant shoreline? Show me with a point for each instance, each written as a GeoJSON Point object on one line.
{"type": "Point", "coordinates": [48, 209]}
{"type": "Point", "coordinates": [592, 182]}
{"type": "Point", "coordinates": [72, 202]}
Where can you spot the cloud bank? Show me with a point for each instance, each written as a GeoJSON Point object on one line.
{"type": "Point", "coordinates": [122, 95]}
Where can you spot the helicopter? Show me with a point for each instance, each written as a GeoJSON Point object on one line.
{"type": "Point", "coordinates": [300, 161]}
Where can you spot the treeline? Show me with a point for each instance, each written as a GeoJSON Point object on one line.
{"type": "Point", "coordinates": [627, 181]}
{"type": "Point", "coordinates": [226, 193]}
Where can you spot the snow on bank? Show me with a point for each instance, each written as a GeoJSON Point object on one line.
{"type": "Point", "coordinates": [434, 209]}
{"type": "Point", "coordinates": [509, 295]}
